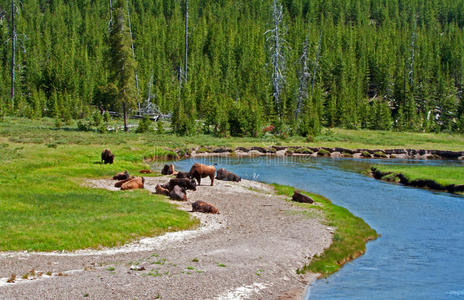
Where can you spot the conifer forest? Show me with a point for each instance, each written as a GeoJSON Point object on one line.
{"type": "Point", "coordinates": [233, 67]}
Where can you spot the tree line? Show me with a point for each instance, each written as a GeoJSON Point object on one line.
{"type": "Point", "coordinates": [377, 64]}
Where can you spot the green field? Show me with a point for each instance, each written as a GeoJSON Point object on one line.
{"type": "Point", "coordinates": [20, 130]}
{"type": "Point", "coordinates": [349, 240]}
{"type": "Point", "coordinates": [444, 175]}
{"type": "Point", "coordinates": [44, 204]}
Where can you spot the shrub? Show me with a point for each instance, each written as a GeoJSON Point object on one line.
{"type": "Point", "coordinates": [159, 127]}
{"type": "Point", "coordinates": [144, 125]}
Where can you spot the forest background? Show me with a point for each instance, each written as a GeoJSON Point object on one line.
{"type": "Point", "coordinates": [377, 64]}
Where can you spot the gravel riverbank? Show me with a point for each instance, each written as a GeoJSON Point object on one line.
{"type": "Point", "coordinates": [251, 250]}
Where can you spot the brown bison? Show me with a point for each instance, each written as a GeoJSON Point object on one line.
{"type": "Point", "coordinates": [185, 183]}
{"type": "Point", "coordinates": [302, 198]}
{"type": "Point", "coordinates": [183, 175]}
{"type": "Point", "coordinates": [168, 170]}
{"type": "Point", "coordinates": [199, 171]}
{"type": "Point", "coordinates": [161, 190]}
{"type": "Point", "coordinates": [145, 171]}
{"type": "Point", "coordinates": [107, 156]}
{"type": "Point", "coordinates": [121, 176]}
{"type": "Point", "coordinates": [136, 183]}
{"type": "Point", "coordinates": [223, 174]}
{"type": "Point", "coordinates": [204, 207]}
{"type": "Point", "coordinates": [178, 193]}
{"type": "Point", "coordinates": [121, 182]}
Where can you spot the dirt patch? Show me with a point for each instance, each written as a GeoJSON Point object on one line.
{"type": "Point", "coordinates": [251, 250]}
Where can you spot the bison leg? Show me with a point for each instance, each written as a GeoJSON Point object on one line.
{"type": "Point", "coordinates": [212, 179]}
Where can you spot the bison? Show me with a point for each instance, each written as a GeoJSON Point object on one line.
{"type": "Point", "coordinates": [145, 171]}
{"type": "Point", "coordinates": [199, 171]}
{"type": "Point", "coordinates": [136, 183]}
{"type": "Point", "coordinates": [168, 170]}
{"type": "Point", "coordinates": [185, 183]}
{"type": "Point", "coordinates": [121, 176]}
{"type": "Point", "coordinates": [121, 182]}
{"type": "Point", "coordinates": [223, 174]}
{"type": "Point", "coordinates": [204, 207]}
{"type": "Point", "coordinates": [302, 198]}
{"type": "Point", "coordinates": [183, 175]}
{"type": "Point", "coordinates": [107, 156]}
{"type": "Point", "coordinates": [178, 193]}
{"type": "Point", "coordinates": [161, 190]}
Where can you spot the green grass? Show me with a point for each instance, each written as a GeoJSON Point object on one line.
{"type": "Point", "coordinates": [45, 205]}
{"type": "Point", "coordinates": [43, 131]}
{"type": "Point", "coordinates": [349, 240]}
{"type": "Point", "coordinates": [444, 175]}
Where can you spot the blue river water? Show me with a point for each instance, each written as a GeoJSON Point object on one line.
{"type": "Point", "coordinates": [420, 254]}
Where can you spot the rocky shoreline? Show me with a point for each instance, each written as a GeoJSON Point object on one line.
{"type": "Point", "coordinates": [419, 183]}
{"type": "Point", "coordinates": [335, 152]}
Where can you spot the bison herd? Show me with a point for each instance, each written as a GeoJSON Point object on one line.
{"type": "Point", "coordinates": [176, 188]}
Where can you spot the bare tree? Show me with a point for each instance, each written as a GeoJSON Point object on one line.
{"type": "Point", "coordinates": [303, 79]}
{"type": "Point", "coordinates": [133, 53]}
{"type": "Point", "coordinates": [277, 44]}
{"type": "Point", "coordinates": [110, 23]}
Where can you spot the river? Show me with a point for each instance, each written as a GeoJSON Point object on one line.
{"type": "Point", "coordinates": [420, 252]}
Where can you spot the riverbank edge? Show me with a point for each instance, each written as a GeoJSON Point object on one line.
{"type": "Point", "coordinates": [349, 238]}
{"type": "Point", "coordinates": [429, 184]}
{"type": "Point", "coordinates": [301, 151]}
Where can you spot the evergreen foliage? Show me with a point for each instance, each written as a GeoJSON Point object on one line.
{"type": "Point", "coordinates": [381, 64]}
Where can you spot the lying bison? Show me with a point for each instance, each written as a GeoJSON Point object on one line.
{"type": "Point", "coordinates": [302, 198]}
{"type": "Point", "coordinates": [136, 183]}
{"type": "Point", "coordinates": [121, 176]}
{"type": "Point", "coordinates": [183, 175]}
{"type": "Point", "coordinates": [223, 174]}
{"type": "Point", "coordinates": [199, 171]}
{"type": "Point", "coordinates": [146, 171]}
{"type": "Point", "coordinates": [121, 182]}
{"type": "Point", "coordinates": [178, 193]}
{"type": "Point", "coordinates": [161, 190]}
{"type": "Point", "coordinates": [185, 183]}
{"type": "Point", "coordinates": [168, 170]}
{"type": "Point", "coordinates": [204, 207]}
{"type": "Point", "coordinates": [107, 156]}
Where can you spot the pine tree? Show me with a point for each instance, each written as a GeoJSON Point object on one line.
{"type": "Point", "coordinates": [122, 61]}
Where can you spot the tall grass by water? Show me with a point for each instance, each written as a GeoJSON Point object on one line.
{"type": "Point", "coordinates": [349, 239]}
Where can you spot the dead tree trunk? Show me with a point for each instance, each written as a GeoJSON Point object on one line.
{"type": "Point", "coordinates": [133, 53]}
{"type": "Point", "coordinates": [125, 116]}
{"type": "Point", "coordinates": [186, 39]}
{"type": "Point", "coordinates": [110, 23]}
{"type": "Point", "coordinates": [303, 80]}
{"type": "Point", "coordinates": [277, 57]}
{"type": "Point", "coordinates": [13, 50]}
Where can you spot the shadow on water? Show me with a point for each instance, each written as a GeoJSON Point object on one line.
{"type": "Point", "coordinates": [419, 255]}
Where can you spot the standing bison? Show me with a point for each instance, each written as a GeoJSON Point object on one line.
{"type": "Point", "coordinates": [223, 174]}
{"type": "Point", "coordinates": [107, 156]}
{"type": "Point", "coordinates": [199, 171]}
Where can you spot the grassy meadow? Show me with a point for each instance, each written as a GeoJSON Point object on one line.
{"type": "Point", "coordinates": [349, 240]}
{"type": "Point", "coordinates": [444, 175]}
{"type": "Point", "coordinates": [45, 205]}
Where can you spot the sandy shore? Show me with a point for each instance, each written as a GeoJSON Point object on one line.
{"type": "Point", "coordinates": [251, 250]}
